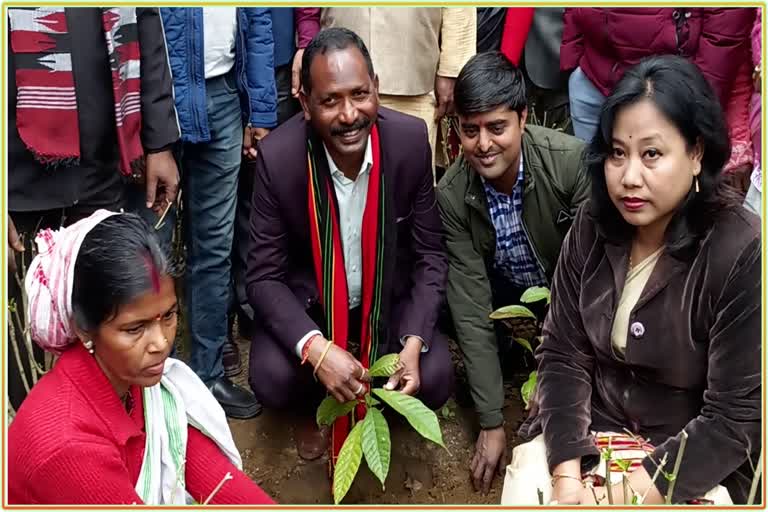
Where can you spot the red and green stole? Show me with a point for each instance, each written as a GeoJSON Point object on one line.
{"type": "Point", "coordinates": [328, 258]}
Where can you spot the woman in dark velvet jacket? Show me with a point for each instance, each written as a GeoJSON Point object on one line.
{"type": "Point", "coordinates": [654, 326]}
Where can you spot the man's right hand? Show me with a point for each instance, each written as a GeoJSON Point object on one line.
{"type": "Point", "coordinates": [490, 457]}
{"type": "Point", "coordinates": [342, 375]}
{"type": "Point", "coordinates": [14, 245]}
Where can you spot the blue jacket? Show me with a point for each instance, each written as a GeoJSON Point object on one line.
{"type": "Point", "coordinates": [254, 66]}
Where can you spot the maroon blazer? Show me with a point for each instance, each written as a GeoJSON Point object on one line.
{"type": "Point", "coordinates": [281, 284]}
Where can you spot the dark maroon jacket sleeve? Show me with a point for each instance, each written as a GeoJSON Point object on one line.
{"type": "Point", "coordinates": [280, 312]}
{"type": "Point", "coordinates": [572, 47]}
{"type": "Point", "coordinates": [307, 20]}
{"type": "Point", "coordinates": [724, 46]}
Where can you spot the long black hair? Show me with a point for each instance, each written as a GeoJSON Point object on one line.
{"type": "Point", "coordinates": [680, 92]}
{"type": "Point", "coordinates": [120, 259]}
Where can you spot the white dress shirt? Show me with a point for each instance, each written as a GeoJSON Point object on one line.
{"type": "Point", "coordinates": [219, 31]}
{"type": "Point", "coordinates": [351, 197]}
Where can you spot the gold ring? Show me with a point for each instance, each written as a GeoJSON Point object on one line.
{"type": "Point", "coordinates": [360, 389]}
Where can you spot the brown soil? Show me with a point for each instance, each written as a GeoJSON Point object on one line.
{"type": "Point", "coordinates": [420, 472]}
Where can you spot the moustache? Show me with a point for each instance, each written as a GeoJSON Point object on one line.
{"type": "Point", "coordinates": [357, 125]}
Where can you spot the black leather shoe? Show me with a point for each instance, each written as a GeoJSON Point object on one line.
{"type": "Point", "coordinates": [236, 402]}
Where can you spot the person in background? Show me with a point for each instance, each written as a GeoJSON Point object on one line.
{"type": "Point", "coordinates": [293, 29]}
{"type": "Point", "coordinates": [418, 54]}
{"type": "Point", "coordinates": [223, 73]}
{"type": "Point", "coordinates": [506, 205]}
{"type": "Point", "coordinates": [753, 201]}
{"type": "Point", "coordinates": [599, 44]}
{"type": "Point", "coordinates": [363, 174]}
{"type": "Point", "coordinates": [90, 116]}
{"type": "Point", "coordinates": [115, 421]}
{"type": "Point", "coordinates": [652, 341]}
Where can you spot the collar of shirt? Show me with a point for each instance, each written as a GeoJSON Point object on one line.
{"type": "Point", "coordinates": [364, 167]}
{"type": "Point", "coordinates": [489, 189]}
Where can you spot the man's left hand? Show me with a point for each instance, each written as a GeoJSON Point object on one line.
{"type": "Point", "coordinates": [407, 379]}
{"type": "Point", "coordinates": [251, 136]}
{"type": "Point", "coordinates": [444, 96]}
{"type": "Point", "coordinates": [162, 180]}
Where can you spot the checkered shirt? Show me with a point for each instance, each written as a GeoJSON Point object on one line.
{"type": "Point", "coordinates": [514, 259]}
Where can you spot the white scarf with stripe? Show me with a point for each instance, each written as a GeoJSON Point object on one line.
{"type": "Point", "coordinates": [179, 400]}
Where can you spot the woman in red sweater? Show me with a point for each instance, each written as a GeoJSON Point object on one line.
{"type": "Point", "coordinates": [116, 421]}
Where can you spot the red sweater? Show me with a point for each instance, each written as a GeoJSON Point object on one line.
{"type": "Point", "coordinates": [72, 442]}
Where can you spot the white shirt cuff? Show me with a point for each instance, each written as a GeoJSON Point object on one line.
{"type": "Point", "coordinates": [424, 346]}
{"type": "Point", "coordinates": [303, 341]}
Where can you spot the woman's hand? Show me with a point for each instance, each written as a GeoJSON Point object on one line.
{"type": "Point", "coordinates": [567, 491]}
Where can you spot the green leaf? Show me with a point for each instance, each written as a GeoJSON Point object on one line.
{"type": "Point", "coordinates": [385, 366]}
{"type": "Point", "coordinates": [535, 294]}
{"type": "Point", "coordinates": [623, 464]}
{"type": "Point", "coordinates": [421, 418]}
{"type": "Point", "coordinates": [377, 446]}
{"type": "Point", "coordinates": [528, 388]}
{"type": "Point", "coordinates": [370, 401]}
{"type": "Point", "coordinates": [525, 343]}
{"type": "Point", "coordinates": [330, 409]}
{"type": "Point", "coordinates": [512, 312]}
{"type": "Point", "coordinates": [348, 463]}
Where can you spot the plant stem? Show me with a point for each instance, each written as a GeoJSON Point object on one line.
{"type": "Point", "coordinates": [24, 327]}
{"type": "Point", "coordinates": [15, 345]}
{"type": "Point", "coordinates": [30, 352]}
{"type": "Point", "coordinates": [655, 476]}
{"type": "Point", "coordinates": [608, 486]}
{"type": "Point", "coordinates": [628, 494]}
{"type": "Point", "coordinates": [594, 495]}
{"type": "Point", "coordinates": [756, 479]}
{"type": "Point", "coordinates": [11, 412]}
{"type": "Point", "coordinates": [216, 489]}
{"type": "Point", "coordinates": [678, 461]}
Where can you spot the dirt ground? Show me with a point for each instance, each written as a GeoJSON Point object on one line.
{"type": "Point", "coordinates": [420, 472]}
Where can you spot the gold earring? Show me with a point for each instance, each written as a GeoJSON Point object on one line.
{"type": "Point", "coordinates": [696, 181]}
{"type": "Point", "coordinates": [88, 346]}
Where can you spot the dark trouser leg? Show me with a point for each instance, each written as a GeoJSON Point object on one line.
{"type": "Point", "coordinates": [210, 188]}
{"type": "Point", "coordinates": [287, 105]}
{"type": "Point", "coordinates": [277, 377]}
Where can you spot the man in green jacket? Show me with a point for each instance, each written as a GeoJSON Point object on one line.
{"type": "Point", "coordinates": [506, 206]}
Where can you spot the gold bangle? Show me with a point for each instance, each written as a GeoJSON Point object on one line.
{"type": "Point", "coordinates": [322, 356]}
{"type": "Point", "coordinates": [555, 478]}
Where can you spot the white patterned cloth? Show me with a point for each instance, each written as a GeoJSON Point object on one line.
{"type": "Point", "coordinates": [50, 279]}
{"type": "Point", "coordinates": [178, 401]}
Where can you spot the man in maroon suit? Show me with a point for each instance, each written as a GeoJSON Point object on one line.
{"type": "Point", "coordinates": [346, 245]}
